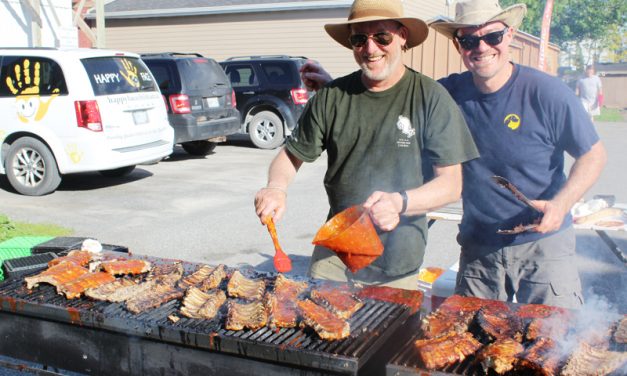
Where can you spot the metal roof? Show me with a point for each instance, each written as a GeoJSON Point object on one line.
{"type": "Point", "coordinates": [169, 8]}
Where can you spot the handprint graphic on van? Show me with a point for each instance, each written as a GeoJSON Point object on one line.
{"type": "Point", "coordinates": [25, 85]}
{"type": "Point", "coordinates": [130, 73]}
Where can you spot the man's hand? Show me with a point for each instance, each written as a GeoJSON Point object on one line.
{"type": "Point", "coordinates": [270, 202]}
{"type": "Point", "coordinates": [384, 209]}
{"type": "Point", "coordinates": [554, 214]}
{"type": "Point", "coordinates": [314, 76]}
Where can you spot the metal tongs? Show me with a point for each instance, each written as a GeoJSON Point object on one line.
{"type": "Point", "coordinates": [504, 183]}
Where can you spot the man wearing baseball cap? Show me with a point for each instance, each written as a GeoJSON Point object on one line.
{"type": "Point", "coordinates": [376, 124]}
{"type": "Point", "coordinates": [522, 121]}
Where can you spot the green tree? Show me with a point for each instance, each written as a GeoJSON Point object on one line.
{"type": "Point", "coordinates": [595, 23]}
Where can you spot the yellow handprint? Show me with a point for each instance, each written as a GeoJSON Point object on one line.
{"type": "Point", "coordinates": [131, 73]}
{"type": "Point", "coordinates": [74, 153]}
{"type": "Point", "coordinates": [28, 100]}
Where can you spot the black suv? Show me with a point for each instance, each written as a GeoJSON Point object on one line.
{"type": "Point", "coordinates": [270, 95]}
{"type": "Point", "coordinates": [200, 99]}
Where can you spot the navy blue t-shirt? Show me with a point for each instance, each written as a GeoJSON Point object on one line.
{"type": "Point", "coordinates": [522, 132]}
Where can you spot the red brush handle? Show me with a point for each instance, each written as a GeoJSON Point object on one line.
{"type": "Point", "coordinates": [282, 263]}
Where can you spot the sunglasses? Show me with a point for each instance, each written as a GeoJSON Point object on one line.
{"type": "Point", "coordinates": [470, 42]}
{"type": "Point", "coordinates": [382, 38]}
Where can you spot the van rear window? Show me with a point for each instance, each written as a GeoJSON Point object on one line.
{"type": "Point", "coordinates": [31, 75]}
{"type": "Point", "coordinates": [118, 75]}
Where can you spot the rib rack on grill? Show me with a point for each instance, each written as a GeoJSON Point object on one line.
{"type": "Point", "coordinates": [75, 288]}
{"type": "Point", "coordinates": [242, 287]}
{"type": "Point", "coordinates": [167, 274]}
{"type": "Point", "coordinates": [326, 324]}
{"type": "Point", "coordinates": [288, 287]}
{"type": "Point", "coordinates": [56, 275]}
{"type": "Point", "coordinates": [119, 267]}
{"type": "Point", "coordinates": [158, 294]}
{"type": "Point", "coordinates": [214, 279]}
{"type": "Point", "coordinates": [251, 315]}
{"type": "Point", "coordinates": [198, 304]}
{"type": "Point", "coordinates": [587, 360]}
{"type": "Point", "coordinates": [620, 333]}
{"type": "Point", "coordinates": [500, 355]}
{"type": "Point", "coordinates": [554, 327]}
{"type": "Point", "coordinates": [281, 303]}
{"type": "Point", "coordinates": [205, 277]}
{"type": "Point", "coordinates": [118, 291]}
{"type": "Point", "coordinates": [338, 300]}
{"type": "Point", "coordinates": [543, 357]}
{"type": "Point", "coordinates": [446, 350]}
{"type": "Point", "coordinates": [78, 257]}
{"type": "Point", "coordinates": [536, 311]}
{"type": "Point", "coordinates": [409, 298]}
{"type": "Point", "coordinates": [498, 325]}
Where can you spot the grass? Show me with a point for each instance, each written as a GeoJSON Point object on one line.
{"type": "Point", "coordinates": [10, 229]}
{"type": "Point", "coordinates": [612, 115]}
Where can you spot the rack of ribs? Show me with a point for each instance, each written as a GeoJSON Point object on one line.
{"type": "Point", "coordinates": [242, 287]}
{"type": "Point", "coordinates": [326, 324]}
{"type": "Point", "coordinates": [118, 291]}
{"type": "Point", "coordinates": [158, 294]}
{"type": "Point", "coordinates": [498, 324]}
{"type": "Point", "coordinates": [251, 315]}
{"type": "Point", "coordinates": [538, 311]}
{"type": "Point", "coordinates": [620, 333]}
{"type": "Point", "coordinates": [338, 300]}
{"type": "Point", "coordinates": [119, 267]}
{"type": "Point", "coordinates": [56, 275]}
{"type": "Point", "coordinates": [409, 298]}
{"type": "Point", "coordinates": [198, 304]}
{"type": "Point", "coordinates": [167, 274]}
{"type": "Point", "coordinates": [281, 302]}
{"type": "Point", "coordinates": [500, 355]}
{"type": "Point", "coordinates": [446, 350]}
{"type": "Point", "coordinates": [543, 357]}
{"type": "Point", "coordinates": [78, 257]}
{"type": "Point", "coordinates": [588, 360]}
{"type": "Point", "coordinates": [205, 277]}
{"type": "Point", "coordinates": [75, 288]}
{"type": "Point", "coordinates": [555, 327]}
{"type": "Point", "coordinates": [214, 279]}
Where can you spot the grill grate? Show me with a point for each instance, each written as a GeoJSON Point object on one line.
{"type": "Point", "coordinates": [371, 327]}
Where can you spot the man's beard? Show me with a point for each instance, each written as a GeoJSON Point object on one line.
{"type": "Point", "coordinates": [385, 73]}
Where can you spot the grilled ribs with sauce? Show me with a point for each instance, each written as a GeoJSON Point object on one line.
{"type": "Point", "coordinates": [338, 300]}
{"type": "Point", "coordinates": [252, 315]}
{"type": "Point", "coordinates": [543, 357]}
{"type": "Point", "coordinates": [198, 304]}
{"type": "Point", "coordinates": [205, 278]}
{"type": "Point", "coordinates": [242, 287]}
{"type": "Point", "coordinates": [326, 324]}
{"type": "Point", "coordinates": [75, 288]}
{"type": "Point", "coordinates": [446, 350]}
{"type": "Point", "coordinates": [167, 274]}
{"type": "Point", "coordinates": [281, 303]}
{"type": "Point", "coordinates": [158, 294]}
{"type": "Point", "coordinates": [56, 275]}
{"type": "Point", "coordinates": [118, 291]}
{"type": "Point", "coordinates": [587, 360]}
{"type": "Point", "coordinates": [500, 355]}
{"type": "Point", "coordinates": [498, 325]}
{"type": "Point", "coordinates": [78, 257]}
{"type": "Point", "coordinates": [119, 267]}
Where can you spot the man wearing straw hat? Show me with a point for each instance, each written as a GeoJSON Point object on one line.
{"type": "Point", "coordinates": [375, 125]}
{"type": "Point", "coordinates": [523, 121]}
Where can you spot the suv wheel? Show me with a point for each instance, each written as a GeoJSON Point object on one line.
{"type": "Point", "coordinates": [199, 147]}
{"type": "Point", "coordinates": [31, 167]}
{"type": "Point", "coordinates": [117, 172]}
{"type": "Point", "coordinates": [266, 130]}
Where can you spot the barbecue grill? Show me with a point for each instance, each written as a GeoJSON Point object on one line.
{"type": "Point", "coordinates": [98, 337]}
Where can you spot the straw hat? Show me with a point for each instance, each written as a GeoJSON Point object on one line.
{"type": "Point", "coordinates": [378, 10]}
{"type": "Point", "coordinates": [471, 13]}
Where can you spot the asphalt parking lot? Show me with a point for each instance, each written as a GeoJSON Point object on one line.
{"type": "Point", "coordinates": [201, 210]}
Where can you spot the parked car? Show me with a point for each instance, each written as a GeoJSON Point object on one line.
{"type": "Point", "coordinates": [270, 95]}
{"type": "Point", "coordinates": [200, 100]}
{"type": "Point", "coordinates": [76, 110]}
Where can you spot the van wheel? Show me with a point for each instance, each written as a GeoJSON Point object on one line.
{"type": "Point", "coordinates": [31, 167]}
{"type": "Point", "coordinates": [266, 130]}
{"type": "Point", "coordinates": [117, 172]}
{"type": "Point", "coordinates": [199, 147]}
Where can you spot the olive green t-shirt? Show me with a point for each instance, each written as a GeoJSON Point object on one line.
{"type": "Point", "coordinates": [377, 141]}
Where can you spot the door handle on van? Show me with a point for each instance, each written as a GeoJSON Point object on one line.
{"type": "Point", "coordinates": [248, 92]}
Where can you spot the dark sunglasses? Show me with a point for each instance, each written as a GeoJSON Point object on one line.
{"type": "Point", "coordinates": [382, 38]}
{"type": "Point", "coordinates": [470, 42]}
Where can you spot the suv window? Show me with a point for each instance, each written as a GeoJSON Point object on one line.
{"type": "Point", "coordinates": [279, 73]}
{"type": "Point", "coordinates": [200, 73]}
{"type": "Point", "coordinates": [241, 75]}
{"type": "Point", "coordinates": [31, 75]}
{"type": "Point", "coordinates": [118, 75]}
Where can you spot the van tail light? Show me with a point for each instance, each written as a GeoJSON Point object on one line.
{"type": "Point", "coordinates": [233, 99]}
{"type": "Point", "coordinates": [179, 103]}
{"type": "Point", "coordinates": [88, 115]}
{"type": "Point", "coordinates": [299, 96]}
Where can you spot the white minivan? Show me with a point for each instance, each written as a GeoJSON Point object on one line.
{"type": "Point", "coordinates": [76, 110]}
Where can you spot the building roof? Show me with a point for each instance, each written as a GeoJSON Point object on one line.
{"type": "Point", "coordinates": [169, 8]}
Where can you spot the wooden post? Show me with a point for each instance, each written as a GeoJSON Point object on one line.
{"type": "Point", "coordinates": [544, 34]}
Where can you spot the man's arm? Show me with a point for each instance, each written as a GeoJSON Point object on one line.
{"type": "Point", "coordinates": [444, 188]}
{"type": "Point", "coordinates": [583, 174]}
{"type": "Point", "coordinates": [271, 200]}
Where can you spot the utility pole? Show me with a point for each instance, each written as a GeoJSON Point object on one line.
{"type": "Point", "coordinates": [544, 34]}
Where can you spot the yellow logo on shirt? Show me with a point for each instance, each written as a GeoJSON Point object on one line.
{"type": "Point", "coordinates": [512, 121]}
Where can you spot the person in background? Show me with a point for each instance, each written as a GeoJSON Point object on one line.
{"type": "Point", "coordinates": [375, 124]}
{"type": "Point", "coordinates": [590, 91]}
{"type": "Point", "coordinates": [523, 121]}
